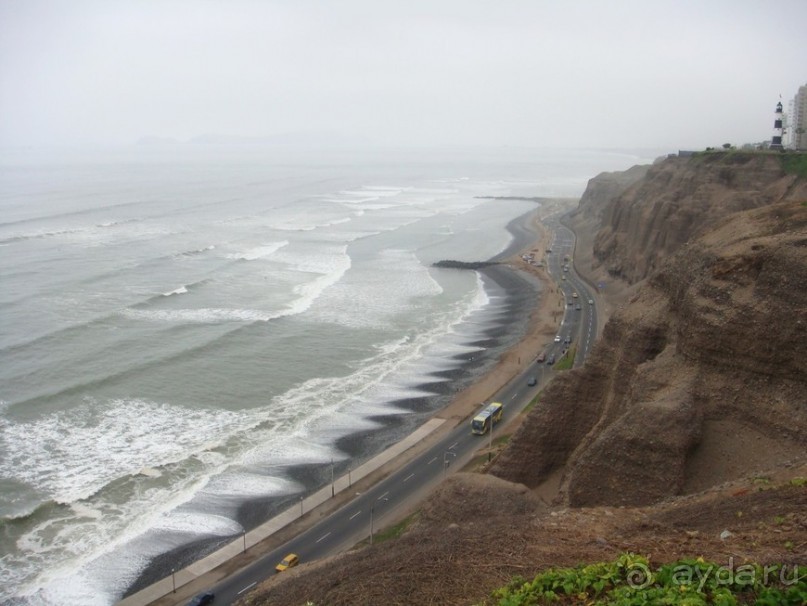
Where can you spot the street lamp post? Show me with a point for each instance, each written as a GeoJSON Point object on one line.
{"type": "Point", "coordinates": [446, 462]}
{"type": "Point", "coordinates": [245, 540]}
{"type": "Point", "coordinates": [173, 581]}
{"type": "Point", "coordinates": [372, 513]}
{"type": "Point", "coordinates": [490, 442]}
{"type": "Point", "coordinates": [333, 489]}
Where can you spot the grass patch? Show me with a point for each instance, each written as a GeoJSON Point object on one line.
{"type": "Point", "coordinates": [393, 532]}
{"type": "Point", "coordinates": [795, 164]}
{"type": "Point", "coordinates": [567, 361]}
{"type": "Point", "coordinates": [501, 441]}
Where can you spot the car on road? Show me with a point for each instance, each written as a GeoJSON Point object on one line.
{"type": "Point", "coordinates": [557, 338]}
{"type": "Point", "coordinates": [533, 381]}
{"type": "Point", "coordinates": [577, 307]}
{"type": "Point", "coordinates": [289, 561]}
{"type": "Point", "coordinates": [591, 301]}
{"type": "Point", "coordinates": [541, 357]}
{"type": "Point", "coordinates": [551, 360]}
{"type": "Point", "coordinates": [202, 599]}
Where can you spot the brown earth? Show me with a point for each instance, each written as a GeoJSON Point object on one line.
{"type": "Point", "coordinates": [688, 420]}
{"type": "Point", "coordinates": [478, 532]}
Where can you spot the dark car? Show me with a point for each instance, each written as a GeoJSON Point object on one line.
{"type": "Point", "coordinates": [532, 381]}
{"type": "Point", "coordinates": [551, 359]}
{"type": "Point", "coordinates": [202, 599]}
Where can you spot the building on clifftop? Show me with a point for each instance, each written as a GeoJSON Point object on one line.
{"type": "Point", "coordinates": [797, 120]}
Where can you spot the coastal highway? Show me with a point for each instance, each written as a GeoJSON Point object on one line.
{"type": "Point", "coordinates": [352, 523]}
{"type": "Point", "coordinates": [376, 507]}
{"type": "Point", "coordinates": [579, 324]}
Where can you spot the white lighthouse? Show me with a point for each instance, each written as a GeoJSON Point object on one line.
{"type": "Point", "coordinates": [778, 130]}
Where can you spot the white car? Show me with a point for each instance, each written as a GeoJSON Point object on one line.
{"type": "Point", "coordinates": [557, 339]}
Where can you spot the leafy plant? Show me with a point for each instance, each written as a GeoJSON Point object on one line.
{"type": "Point", "coordinates": [630, 581]}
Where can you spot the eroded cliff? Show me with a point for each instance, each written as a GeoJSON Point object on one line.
{"type": "Point", "coordinates": [701, 377]}
{"type": "Point", "coordinates": [680, 199]}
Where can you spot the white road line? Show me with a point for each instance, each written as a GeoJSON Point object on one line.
{"type": "Point", "coordinates": [382, 496]}
{"type": "Point", "coordinates": [432, 461]}
{"type": "Point", "coordinates": [515, 395]}
{"type": "Point", "coordinates": [355, 514]}
{"type": "Point", "coordinates": [248, 587]}
{"type": "Point", "coordinates": [409, 477]}
{"type": "Point", "coordinates": [453, 445]}
{"type": "Point", "coordinates": [327, 534]}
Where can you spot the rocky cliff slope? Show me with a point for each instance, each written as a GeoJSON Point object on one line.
{"type": "Point", "coordinates": [678, 200]}
{"type": "Point", "coordinates": [702, 376]}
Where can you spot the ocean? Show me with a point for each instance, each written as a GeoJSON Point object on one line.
{"type": "Point", "coordinates": [191, 336]}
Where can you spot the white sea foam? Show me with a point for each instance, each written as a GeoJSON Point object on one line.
{"type": "Point", "coordinates": [205, 315]}
{"type": "Point", "coordinates": [259, 252]}
{"type": "Point", "coordinates": [71, 454]}
{"type": "Point", "coordinates": [196, 523]}
{"type": "Point", "coordinates": [245, 484]}
{"type": "Point", "coordinates": [178, 291]}
{"type": "Point", "coordinates": [386, 286]}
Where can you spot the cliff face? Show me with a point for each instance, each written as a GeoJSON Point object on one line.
{"type": "Point", "coordinates": [701, 377]}
{"type": "Point", "coordinates": [680, 199]}
{"type": "Point", "coordinates": [604, 188]}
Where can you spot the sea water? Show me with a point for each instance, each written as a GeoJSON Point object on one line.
{"type": "Point", "coordinates": [183, 329]}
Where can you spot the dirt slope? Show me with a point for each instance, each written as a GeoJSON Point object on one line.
{"type": "Point", "coordinates": [476, 533]}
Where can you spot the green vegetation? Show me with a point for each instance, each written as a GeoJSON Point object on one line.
{"type": "Point", "coordinates": [795, 164]}
{"type": "Point", "coordinates": [394, 531]}
{"type": "Point", "coordinates": [567, 361]}
{"type": "Point", "coordinates": [630, 581]}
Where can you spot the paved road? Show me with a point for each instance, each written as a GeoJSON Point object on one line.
{"type": "Point", "coordinates": [578, 325]}
{"type": "Point", "coordinates": [369, 511]}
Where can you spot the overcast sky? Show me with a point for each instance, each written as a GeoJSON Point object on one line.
{"type": "Point", "coordinates": [588, 73]}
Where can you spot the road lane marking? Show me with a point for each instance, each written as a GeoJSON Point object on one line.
{"type": "Point", "coordinates": [248, 587]}
{"type": "Point", "coordinates": [409, 477]}
{"type": "Point", "coordinates": [382, 496]}
{"type": "Point", "coordinates": [327, 534]}
{"type": "Point", "coordinates": [432, 461]}
{"type": "Point", "coordinates": [355, 514]}
{"type": "Point", "coordinates": [453, 445]}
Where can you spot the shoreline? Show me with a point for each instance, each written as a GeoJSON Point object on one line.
{"type": "Point", "coordinates": [524, 341]}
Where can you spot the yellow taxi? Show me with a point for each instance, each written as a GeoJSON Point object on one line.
{"type": "Point", "coordinates": [289, 561]}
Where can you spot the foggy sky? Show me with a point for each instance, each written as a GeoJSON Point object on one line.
{"type": "Point", "coordinates": [591, 73]}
